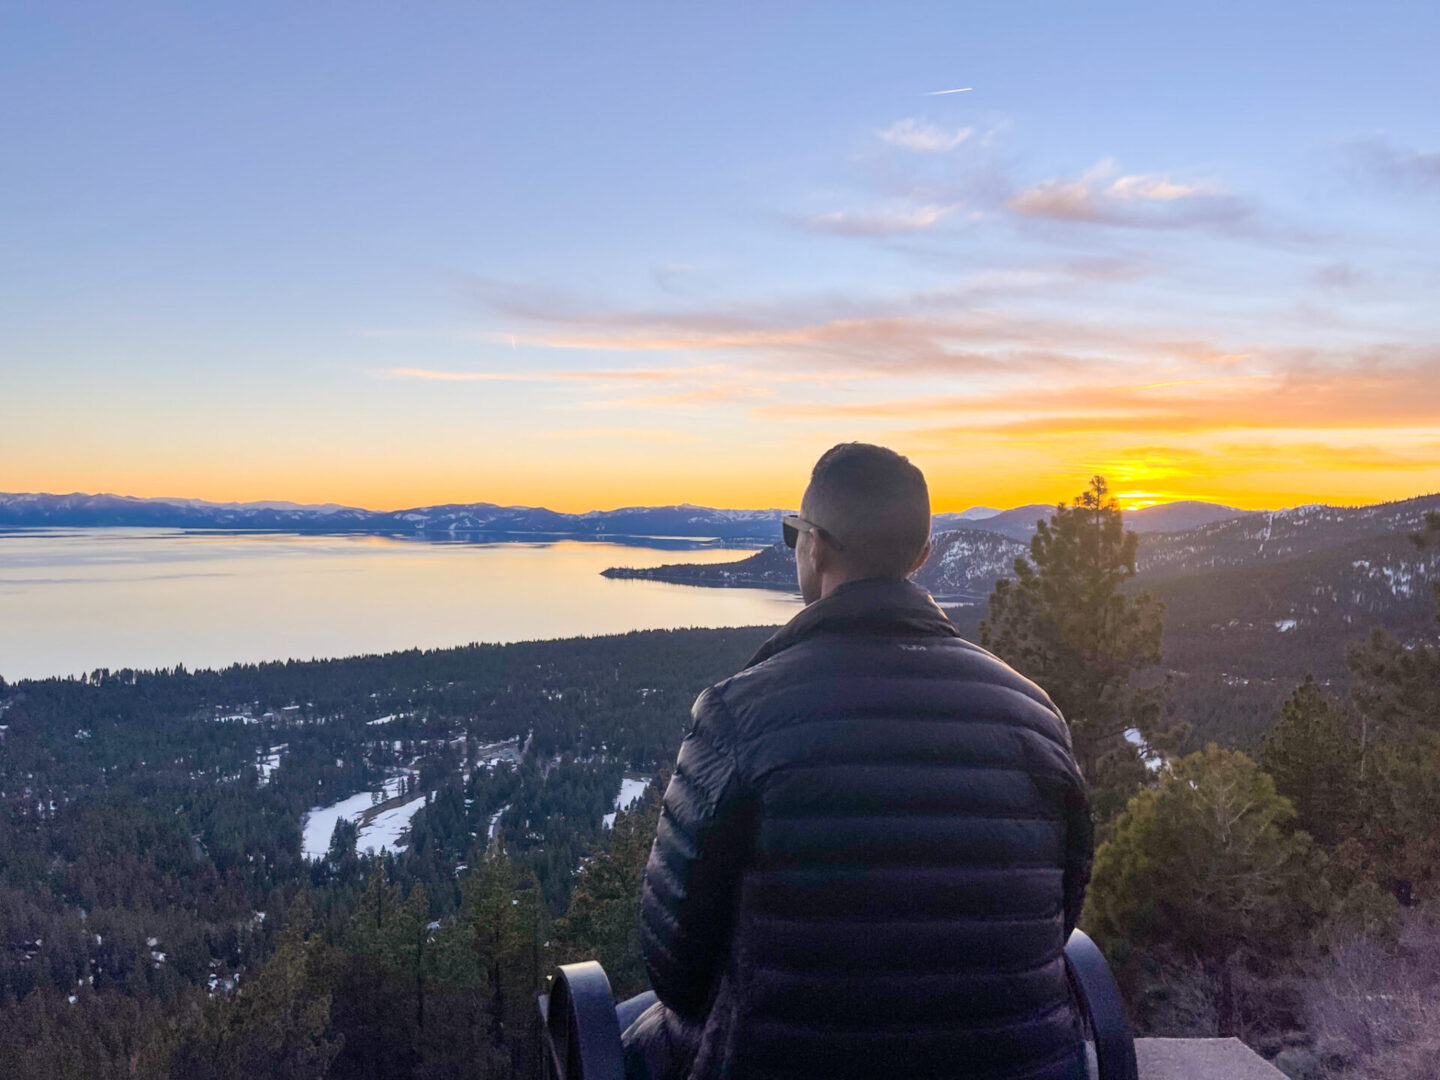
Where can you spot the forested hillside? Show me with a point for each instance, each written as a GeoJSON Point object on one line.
{"type": "Point", "coordinates": [150, 843]}
{"type": "Point", "coordinates": [479, 520]}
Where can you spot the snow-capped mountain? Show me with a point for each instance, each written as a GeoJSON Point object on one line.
{"type": "Point", "coordinates": [1019, 523]}
{"type": "Point", "coordinates": [79, 510]}
{"type": "Point", "coordinates": [1260, 537]}
{"type": "Point", "coordinates": [125, 510]}
{"type": "Point", "coordinates": [964, 564]}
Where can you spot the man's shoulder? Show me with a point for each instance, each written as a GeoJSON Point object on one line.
{"type": "Point", "coordinates": [837, 658]}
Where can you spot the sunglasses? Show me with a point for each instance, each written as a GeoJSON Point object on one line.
{"type": "Point", "coordinates": [792, 525]}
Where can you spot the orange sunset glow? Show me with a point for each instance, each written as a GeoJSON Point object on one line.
{"type": "Point", "coordinates": [1018, 291]}
{"type": "Point", "coordinates": [734, 434]}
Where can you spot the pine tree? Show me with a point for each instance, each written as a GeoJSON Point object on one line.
{"type": "Point", "coordinates": [376, 990]}
{"type": "Point", "coordinates": [1397, 688]}
{"type": "Point", "coordinates": [504, 914]}
{"type": "Point", "coordinates": [277, 1025]}
{"type": "Point", "coordinates": [1065, 623]}
{"type": "Point", "coordinates": [1427, 537]}
{"type": "Point", "coordinates": [343, 839]}
{"type": "Point", "coordinates": [602, 921]}
{"type": "Point", "coordinates": [1206, 868]}
{"type": "Point", "coordinates": [1396, 693]}
{"type": "Point", "coordinates": [1314, 758]}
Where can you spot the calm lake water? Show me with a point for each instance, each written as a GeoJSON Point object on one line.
{"type": "Point", "coordinates": [72, 600]}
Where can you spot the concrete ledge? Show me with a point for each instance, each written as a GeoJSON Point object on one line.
{"type": "Point", "coordinates": [1201, 1059]}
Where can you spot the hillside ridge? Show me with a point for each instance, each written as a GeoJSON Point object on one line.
{"type": "Point", "coordinates": [80, 510]}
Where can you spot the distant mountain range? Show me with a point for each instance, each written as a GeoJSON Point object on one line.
{"type": "Point", "coordinates": [121, 510]}
{"type": "Point", "coordinates": [1019, 523]}
{"type": "Point", "coordinates": [77, 510]}
{"type": "Point", "coordinates": [1266, 536]}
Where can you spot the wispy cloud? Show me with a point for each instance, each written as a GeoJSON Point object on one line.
{"type": "Point", "coordinates": [1379, 388]}
{"type": "Point", "coordinates": [1152, 188]}
{"type": "Point", "coordinates": [1360, 457]}
{"type": "Point", "coordinates": [1141, 200]}
{"type": "Point", "coordinates": [619, 375]}
{"type": "Point", "coordinates": [721, 392]}
{"type": "Point", "coordinates": [845, 348]}
{"type": "Point", "coordinates": [673, 277]}
{"type": "Point", "coordinates": [1050, 400]}
{"type": "Point", "coordinates": [1400, 166]}
{"type": "Point", "coordinates": [890, 222]}
{"type": "Point", "coordinates": [1338, 276]}
{"type": "Point", "coordinates": [917, 135]}
{"type": "Point", "coordinates": [1194, 469]}
{"type": "Point", "coordinates": [950, 329]}
{"type": "Point", "coordinates": [649, 435]}
{"type": "Point", "coordinates": [942, 367]}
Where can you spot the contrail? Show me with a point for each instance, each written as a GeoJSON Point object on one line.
{"type": "Point", "coordinates": [962, 90]}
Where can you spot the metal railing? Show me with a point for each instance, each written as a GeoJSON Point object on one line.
{"type": "Point", "coordinates": [582, 1034]}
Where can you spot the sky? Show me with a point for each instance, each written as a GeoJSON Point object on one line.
{"type": "Point", "coordinates": [587, 256]}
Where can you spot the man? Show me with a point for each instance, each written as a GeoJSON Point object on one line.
{"type": "Point", "coordinates": [875, 842]}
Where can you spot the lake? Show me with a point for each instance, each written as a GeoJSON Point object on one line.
{"type": "Point", "coordinates": [72, 600]}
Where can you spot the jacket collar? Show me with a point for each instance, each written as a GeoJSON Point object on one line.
{"type": "Point", "coordinates": [880, 606]}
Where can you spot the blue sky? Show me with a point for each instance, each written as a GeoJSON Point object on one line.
{"type": "Point", "coordinates": [604, 254]}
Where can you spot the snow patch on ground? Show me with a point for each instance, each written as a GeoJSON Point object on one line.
{"type": "Point", "coordinates": [630, 790]}
{"type": "Point", "coordinates": [387, 827]}
{"type": "Point", "coordinates": [495, 822]}
{"type": "Point", "coordinates": [1152, 760]}
{"type": "Point", "coordinates": [319, 823]}
{"type": "Point", "coordinates": [268, 763]}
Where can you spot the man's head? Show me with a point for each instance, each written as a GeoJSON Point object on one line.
{"type": "Point", "coordinates": [865, 514]}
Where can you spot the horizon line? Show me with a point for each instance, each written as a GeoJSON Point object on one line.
{"type": "Point", "coordinates": [290, 504]}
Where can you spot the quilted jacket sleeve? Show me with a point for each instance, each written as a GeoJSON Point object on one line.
{"type": "Point", "coordinates": [691, 885]}
{"type": "Point", "coordinates": [1055, 772]}
{"type": "Point", "coordinates": [1079, 852]}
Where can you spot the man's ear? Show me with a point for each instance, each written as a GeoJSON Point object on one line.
{"type": "Point", "coordinates": [822, 555]}
{"type": "Point", "coordinates": [919, 559]}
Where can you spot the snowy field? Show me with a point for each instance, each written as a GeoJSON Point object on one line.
{"type": "Point", "coordinates": [630, 790]}
{"type": "Point", "coordinates": [383, 831]}
{"type": "Point", "coordinates": [495, 822]}
{"type": "Point", "coordinates": [270, 762]}
{"type": "Point", "coordinates": [386, 828]}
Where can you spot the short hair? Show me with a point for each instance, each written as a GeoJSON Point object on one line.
{"type": "Point", "coordinates": [876, 504]}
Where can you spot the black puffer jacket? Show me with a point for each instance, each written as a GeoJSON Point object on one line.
{"type": "Point", "coordinates": [873, 848]}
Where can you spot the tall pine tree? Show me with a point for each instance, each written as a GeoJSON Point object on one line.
{"type": "Point", "coordinates": [1206, 868]}
{"type": "Point", "coordinates": [1314, 757]}
{"type": "Point", "coordinates": [602, 921]}
{"type": "Point", "coordinates": [1396, 693]}
{"type": "Point", "coordinates": [1066, 623]}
